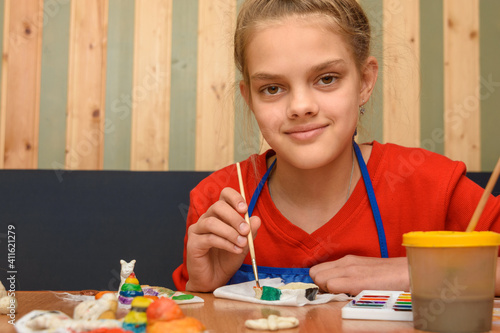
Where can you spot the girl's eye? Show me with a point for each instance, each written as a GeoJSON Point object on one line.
{"type": "Point", "coordinates": [327, 79]}
{"type": "Point", "coordinates": [271, 90]}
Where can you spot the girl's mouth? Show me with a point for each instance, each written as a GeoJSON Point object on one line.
{"type": "Point", "coordinates": [305, 133]}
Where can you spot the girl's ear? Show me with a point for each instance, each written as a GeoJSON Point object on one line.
{"type": "Point", "coordinates": [245, 92]}
{"type": "Point", "coordinates": [368, 78]}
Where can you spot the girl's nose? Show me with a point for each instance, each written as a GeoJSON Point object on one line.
{"type": "Point", "coordinates": [302, 104]}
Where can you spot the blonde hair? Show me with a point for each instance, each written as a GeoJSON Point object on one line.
{"type": "Point", "coordinates": [347, 16]}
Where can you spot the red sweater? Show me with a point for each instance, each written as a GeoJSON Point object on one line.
{"type": "Point", "coordinates": [416, 190]}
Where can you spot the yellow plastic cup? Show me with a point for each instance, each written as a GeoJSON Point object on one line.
{"type": "Point", "coordinates": [452, 279]}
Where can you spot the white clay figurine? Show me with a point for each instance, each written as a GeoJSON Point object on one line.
{"type": "Point", "coordinates": [127, 269]}
{"type": "Point", "coordinates": [7, 303]}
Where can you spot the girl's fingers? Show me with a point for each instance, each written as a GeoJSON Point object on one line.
{"type": "Point", "coordinates": [212, 232]}
{"type": "Point", "coordinates": [204, 242]}
{"type": "Point", "coordinates": [351, 274]}
{"type": "Point", "coordinates": [213, 229]}
{"type": "Point", "coordinates": [222, 226]}
{"type": "Point", "coordinates": [255, 222]}
{"type": "Point", "coordinates": [234, 199]}
{"type": "Point", "coordinates": [226, 214]}
{"type": "Point", "coordinates": [229, 209]}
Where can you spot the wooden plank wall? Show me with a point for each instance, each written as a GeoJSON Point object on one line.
{"type": "Point", "coordinates": [401, 108]}
{"type": "Point", "coordinates": [461, 99]}
{"type": "Point", "coordinates": [151, 98]}
{"type": "Point", "coordinates": [20, 94]}
{"type": "Point", "coordinates": [86, 85]}
{"type": "Point", "coordinates": [214, 121]}
{"type": "Point", "coordinates": [150, 85]}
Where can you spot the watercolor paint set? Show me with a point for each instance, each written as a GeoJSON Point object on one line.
{"type": "Point", "coordinates": [379, 305]}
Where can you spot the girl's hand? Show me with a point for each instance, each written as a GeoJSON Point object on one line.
{"type": "Point", "coordinates": [217, 243]}
{"type": "Point", "coordinates": [353, 274]}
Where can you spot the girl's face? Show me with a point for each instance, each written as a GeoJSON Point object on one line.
{"type": "Point", "coordinates": [304, 90]}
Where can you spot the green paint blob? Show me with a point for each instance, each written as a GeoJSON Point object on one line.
{"type": "Point", "coordinates": [270, 294]}
{"type": "Point", "coordinates": [182, 297]}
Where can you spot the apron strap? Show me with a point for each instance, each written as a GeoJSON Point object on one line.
{"type": "Point", "coordinates": [369, 190]}
{"type": "Point", "coordinates": [259, 188]}
{"type": "Point", "coordinates": [373, 202]}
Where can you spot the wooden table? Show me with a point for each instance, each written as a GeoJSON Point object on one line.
{"type": "Point", "coordinates": [220, 315]}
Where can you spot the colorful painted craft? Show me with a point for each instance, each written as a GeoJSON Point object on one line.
{"type": "Point", "coordinates": [307, 290]}
{"type": "Point", "coordinates": [97, 311]}
{"type": "Point", "coordinates": [136, 320]}
{"type": "Point", "coordinates": [130, 289]}
{"type": "Point", "coordinates": [159, 292]}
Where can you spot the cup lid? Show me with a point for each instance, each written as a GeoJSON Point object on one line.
{"type": "Point", "coordinates": [451, 239]}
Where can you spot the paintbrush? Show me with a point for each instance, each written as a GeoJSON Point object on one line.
{"type": "Point", "coordinates": [484, 198]}
{"type": "Point", "coordinates": [249, 236]}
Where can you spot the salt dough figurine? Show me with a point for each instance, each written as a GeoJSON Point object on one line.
{"type": "Point", "coordinates": [127, 269]}
{"type": "Point", "coordinates": [56, 321]}
{"type": "Point", "coordinates": [272, 323]}
{"type": "Point", "coordinates": [3, 292]}
{"type": "Point", "coordinates": [103, 308]}
{"type": "Point", "coordinates": [7, 302]}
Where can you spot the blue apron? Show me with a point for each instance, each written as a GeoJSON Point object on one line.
{"type": "Point", "coordinates": [245, 272]}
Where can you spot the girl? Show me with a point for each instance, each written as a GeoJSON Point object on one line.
{"type": "Point", "coordinates": [323, 209]}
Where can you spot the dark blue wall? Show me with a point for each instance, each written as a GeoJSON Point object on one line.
{"type": "Point", "coordinates": [72, 228]}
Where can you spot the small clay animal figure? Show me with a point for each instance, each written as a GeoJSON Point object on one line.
{"type": "Point", "coordinates": [8, 303]}
{"type": "Point", "coordinates": [127, 268]}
